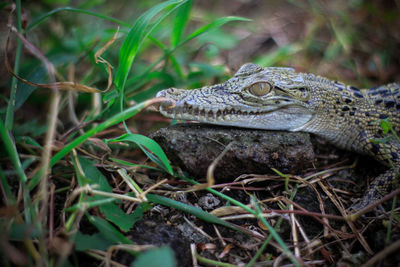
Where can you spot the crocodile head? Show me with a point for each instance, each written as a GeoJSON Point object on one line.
{"type": "Point", "coordinates": [255, 97]}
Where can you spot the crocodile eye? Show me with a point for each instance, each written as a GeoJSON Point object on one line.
{"type": "Point", "coordinates": [260, 89]}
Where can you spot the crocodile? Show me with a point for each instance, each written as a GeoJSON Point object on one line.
{"type": "Point", "coordinates": [275, 98]}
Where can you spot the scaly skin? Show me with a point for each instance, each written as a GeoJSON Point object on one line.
{"type": "Point", "coordinates": [281, 99]}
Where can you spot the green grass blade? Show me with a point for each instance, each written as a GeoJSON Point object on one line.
{"type": "Point", "coordinates": [86, 205]}
{"type": "Point", "coordinates": [147, 143]}
{"type": "Point", "coordinates": [45, 16]}
{"type": "Point", "coordinates": [212, 26]}
{"type": "Point", "coordinates": [29, 212]}
{"type": "Point", "coordinates": [9, 197]}
{"type": "Point", "coordinates": [199, 213]}
{"type": "Point", "coordinates": [130, 164]}
{"type": "Point", "coordinates": [12, 152]}
{"type": "Point", "coordinates": [100, 127]}
{"type": "Point", "coordinates": [14, 82]}
{"type": "Point", "coordinates": [140, 30]}
{"type": "Point", "coordinates": [259, 215]}
{"type": "Point", "coordinates": [181, 20]}
{"type": "Point", "coordinates": [272, 231]}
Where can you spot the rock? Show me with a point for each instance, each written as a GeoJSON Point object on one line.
{"type": "Point", "coordinates": [208, 202]}
{"type": "Point", "coordinates": [195, 146]}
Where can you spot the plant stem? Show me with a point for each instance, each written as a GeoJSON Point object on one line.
{"type": "Point", "coordinates": [14, 82]}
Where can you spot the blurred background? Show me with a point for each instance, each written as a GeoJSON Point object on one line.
{"type": "Point", "coordinates": [356, 41]}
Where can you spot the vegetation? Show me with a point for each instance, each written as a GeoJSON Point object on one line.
{"type": "Point", "coordinates": [76, 162]}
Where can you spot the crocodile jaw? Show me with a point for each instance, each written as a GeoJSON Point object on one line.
{"type": "Point", "coordinates": [289, 118]}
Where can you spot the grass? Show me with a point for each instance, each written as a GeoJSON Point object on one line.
{"type": "Point", "coordinates": [72, 162]}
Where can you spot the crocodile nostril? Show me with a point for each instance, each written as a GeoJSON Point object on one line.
{"type": "Point", "coordinates": [173, 91]}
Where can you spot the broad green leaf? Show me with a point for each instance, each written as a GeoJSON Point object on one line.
{"type": "Point", "coordinates": [37, 75]}
{"type": "Point", "coordinates": [111, 211]}
{"type": "Point", "coordinates": [93, 175]}
{"type": "Point", "coordinates": [108, 231]}
{"type": "Point", "coordinates": [159, 257]}
{"type": "Point", "coordinates": [149, 147]}
{"type": "Point", "coordinates": [96, 241]}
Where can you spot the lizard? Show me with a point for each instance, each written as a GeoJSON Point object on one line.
{"type": "Point", "coordinates": [277, 98]}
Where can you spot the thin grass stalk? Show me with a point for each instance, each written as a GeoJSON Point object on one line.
{"type": "Point", "coordinates": [14, 82]}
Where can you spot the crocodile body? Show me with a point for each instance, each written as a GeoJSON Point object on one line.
{"type": "Point", "coordinates": [282, 99]}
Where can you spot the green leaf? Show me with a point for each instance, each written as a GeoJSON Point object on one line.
{"type": "Point", "coordinates": [96, 241]}
{"type": "Point", "coordinates": [159, 257]}
{"type": "Point", "coordinates": [112, 212]}
{"type": "Point", "coordinates": [93, 175]}
{"type": "Point", "coordinates": [386, 125]}
{"type": "Point", "coordinates": [140, 30]}
{"type": "Point", "coordinates": [37, 75]}
{"type": "Point", "coordinates": [108, 231]}
{"type": "Point", "coordinates": [149, 147]}
{"type": "Point", "coordinates": [181, 20]}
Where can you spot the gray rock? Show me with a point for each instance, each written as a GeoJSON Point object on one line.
{"type": "Point", "coordinates": [194, 146]}
{"type": "Point", "coordinates": [208, 202]}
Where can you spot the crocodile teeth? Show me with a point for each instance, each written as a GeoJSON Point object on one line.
{"type": "Point", "coordinates": [190, 112]}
